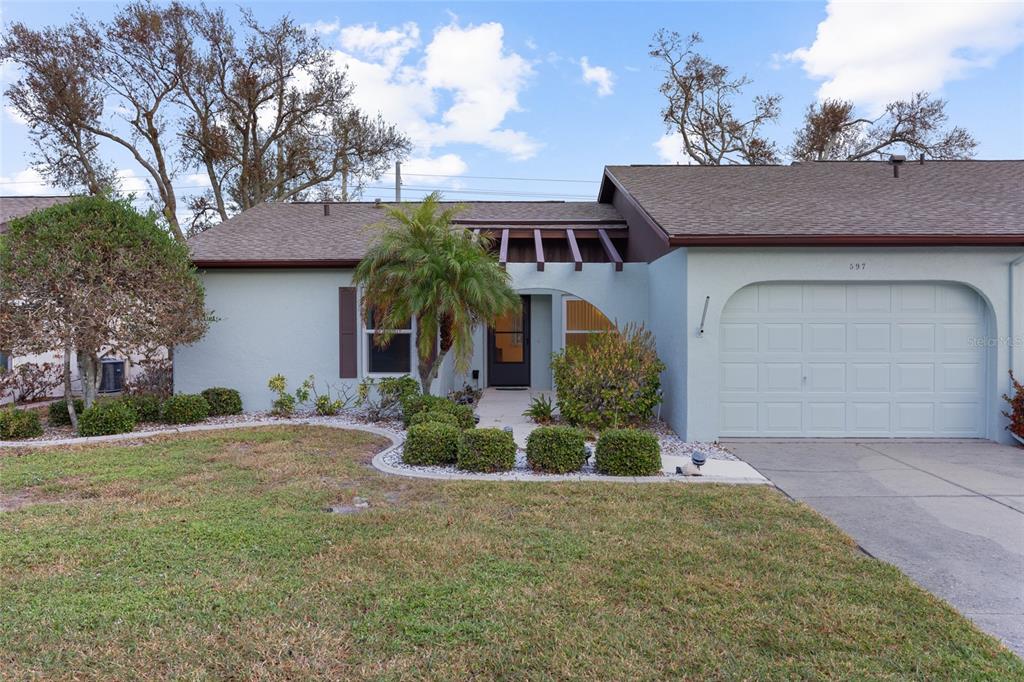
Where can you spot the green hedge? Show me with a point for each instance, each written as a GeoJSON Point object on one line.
{"type": "Point", "coordinates": [556, 449]}
{"type": "Point", "coordinates": [432, 444]}
{"type": "Point", "coordinates": [145, 405]}
{"type": "Point", "coordinates": [414, 405]}
{"type": "Point", "coordinates": [223, 401]}
{"type": "Point", "coordinates": [18, 424]}
{"type": "Point", "coordinates": [59, 411]}
{"type": "Point", "coordinates": [628, 452]}
{"type": "Point", "coordinates": [106, 418]}
{"type": "Point", "coordinates": [487, 450]}
{"type": "Point", "coordinates": [434, 416]}
{"type": "Point", "coordinates": [185, 408]}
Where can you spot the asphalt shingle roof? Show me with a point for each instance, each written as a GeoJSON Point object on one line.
{"type": "Point", "coordinates": [16, 207]}
{"type": "Point", "coordinates": [942, 198]}
{"type": "Point", "coordinates": [285, 232]}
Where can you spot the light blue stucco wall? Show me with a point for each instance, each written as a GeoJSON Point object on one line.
{"type": "Point", "coordinates": [719, 272]}
{"type": "Point", "coordinates": [668, 322]}
{"type": "Point", "coordinates": [541, 329]}
{"type": "Point", "coordinates": [269, 321]}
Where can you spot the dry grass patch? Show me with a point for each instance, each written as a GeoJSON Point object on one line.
{"type": "Point", "coordinates": [209, 556]}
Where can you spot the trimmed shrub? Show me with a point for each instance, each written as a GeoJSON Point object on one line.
{"type": "Point", "coordinates": [432, 444]}
{"type": "Point", "coordinates": [434, 403]}
{"type": "Point", "coordinates": [146, 406]}
{"type": "Point", "coordinates": [628, 452]}
{"type": "Point", "coordinates": [17, 424]}
{"type": "Point", "coordinates": [106, 418]}
{"type": "Point", "coordinates": [223, 401]}
{"type": "Point", "coordinates": [556, 449]}
{"type": "Point", "coordinates": [185, 408]}
{"type": "Point", "coordinates": [59, 411]}
{"type": "Point", "coordinates": [487, 450]}
{"type": "Point", "coordinates": [434, 417]}
{"type": "Point", "coordinates": [614, 380]}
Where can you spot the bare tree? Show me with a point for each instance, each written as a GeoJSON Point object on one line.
{"type": "Point", "coordinates": [273, 119]}
{"type": "Point", "coordinates": [61, 102]}
{"type": "Point", "coordinates": [832, 131]}
{"type": "Point", "coordinates": [267, 117]}
{"type": "Point", "coordinates": [699, 106]}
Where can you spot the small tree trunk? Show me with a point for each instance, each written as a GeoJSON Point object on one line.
{"type": "Point", "coordinates": [68, 397]}
{"type": "Point", "coordinates": [89, 370]}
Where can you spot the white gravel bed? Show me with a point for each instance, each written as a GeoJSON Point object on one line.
{"type": "Point", "coordinates": [65, 436]}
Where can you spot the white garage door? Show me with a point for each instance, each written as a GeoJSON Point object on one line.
{"type": "Point", "coordinates": [873, 360]}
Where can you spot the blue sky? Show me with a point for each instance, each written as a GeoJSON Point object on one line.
{"type": "Point", "coordinates": [558, 90]}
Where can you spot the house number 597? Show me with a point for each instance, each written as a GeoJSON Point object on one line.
{"type": "Point", "coordinates": [858, 266]}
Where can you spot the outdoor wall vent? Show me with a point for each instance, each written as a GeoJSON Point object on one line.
{"type": "Point", "coordinates": [896, 160]}
{"type": "Point", "coordinates": [327, 210]}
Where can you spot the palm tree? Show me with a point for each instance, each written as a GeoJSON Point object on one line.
{"type": "Point", "coordinates": [422, 267]}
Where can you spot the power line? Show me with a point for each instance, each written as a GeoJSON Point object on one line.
{"type": "Point", "coordinates": [495, 177]}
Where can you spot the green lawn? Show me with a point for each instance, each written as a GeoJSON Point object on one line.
{"type": "Point", "coordinates": [210, 557]}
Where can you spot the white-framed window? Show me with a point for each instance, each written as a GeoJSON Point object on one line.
{"type": "Point", "coordinates": [581, 320]}
{"type": "Point", "coordinates": [394, 359]}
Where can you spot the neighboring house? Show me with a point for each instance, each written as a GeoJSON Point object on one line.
{"type": "Point", "coordinates": [864, 299]}
{"type": "Point", "coordinates": [116, 370]}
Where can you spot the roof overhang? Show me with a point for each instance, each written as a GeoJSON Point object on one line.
{"type": "Point", "coordinates": [293, 263]}
{"type": "Point", "coordinates": [848, 240]}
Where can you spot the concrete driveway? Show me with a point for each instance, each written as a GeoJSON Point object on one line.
{"type": "Point", "coordinates": [950, 514]}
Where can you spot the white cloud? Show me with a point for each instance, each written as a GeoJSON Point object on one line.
{"type": "Point", "coordinates": [872, 53]}
{"type": "Point", "coordinates": [13, 114]}
{"type": "Point", "coordinates": [27, 182]}
{"type": "Point", "coordinates": [670, 149]}
{"type": "Point", "coordinates": [129, 183]}
{"type": "Point", "coordinates": [458, 89]}
{"type": "Point", "coordinates": [600, 76]}
{"type": "Point", "coordinates": [438, 172]}
{"type": "Point", "coordinates": [323, 28]}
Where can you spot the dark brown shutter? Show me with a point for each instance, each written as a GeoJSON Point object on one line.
{"type": "Point", "coordinates": [348, 327]}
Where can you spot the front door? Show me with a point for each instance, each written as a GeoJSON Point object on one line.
{"type": "Point", "coordinates": [508, 349]}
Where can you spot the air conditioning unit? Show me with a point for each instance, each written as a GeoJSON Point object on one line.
{"type": "Point", "coordinates": [112, 376]}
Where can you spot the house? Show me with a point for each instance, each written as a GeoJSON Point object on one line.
{"type": "Point", "coordinates": [825, 299]}
{"type": "Point", "coordinates": [115, 370]}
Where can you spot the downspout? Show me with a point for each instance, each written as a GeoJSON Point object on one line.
{"type": "Point", "coordinates": [1014, 317]}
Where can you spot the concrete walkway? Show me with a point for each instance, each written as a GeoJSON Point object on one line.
{"type": "Point", "coordinates": [501, 408]}
{"type": "Point", "coordinates": [950, 514]}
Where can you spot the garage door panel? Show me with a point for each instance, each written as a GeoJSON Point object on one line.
{"type": "Point", "coordinates": [853, 360]}
{"type": "Point", "coordinates": [738, 338]}
{"type": "Point", "coordinates": [870, 377]}
{"type": "Point", "coordinates": [780, 298]}
{"type": "Point", "coordinates": [960, 301]}
{"type": "Point", "coordinates": [825, 300]}
{"type": "Point", "coordinates": [781, 417]}
{"type": "Point", "coordinates": [781, 338]}
{"type": "Point", "coordinates": [829, 337]}
{"type": "Point", "coordinates": [825, 418]}
{"type": "Point", "coordinates": [961, 377]}
{"type": "Point", "coordinates": [739, 417]}
{"type": "Point", "coordinates": [913, 377]}
{"type": "Point", "coordinates": [958, 338]}
{"type": "Point", "coordinates": [915, 338]}
{"type": "Point", "coordinates": [739, 376]}
{"type": "Point", "coordinates": [915, 298]}
{"type": "Point", "coordinates": [826, 377]}
{"type": "Point", "coordinates": [870, 337]}
{"type": "Point", "coordinates": [870, 417]}
{"type": "Point", "coordinates": [915, 418]}
{"type": "Point", "coordinates": [959, 418]}
{"type": "Point", "coordinates": [785, 377]}
{"type": "Point", "coordinates": [869, 298]}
